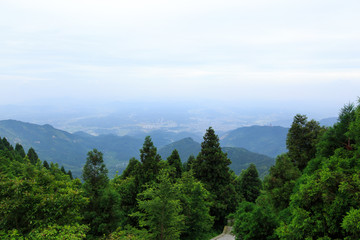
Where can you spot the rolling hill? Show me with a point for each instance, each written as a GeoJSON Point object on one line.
{"type": "Point", "coordinates": [267, 140]}
{"type": "Point", "coordinates": [240, 157]}
{"type": "Point", "coordinates": [69, 149]}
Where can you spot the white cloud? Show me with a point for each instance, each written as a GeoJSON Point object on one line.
{"type": "Point", "coordinates": [173, 49]}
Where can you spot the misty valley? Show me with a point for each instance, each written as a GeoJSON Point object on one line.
{"type": "Point", "coordinates": [261, 182]}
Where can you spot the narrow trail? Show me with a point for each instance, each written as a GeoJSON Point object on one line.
{"type": "Point", "coordinates": [226, 235]}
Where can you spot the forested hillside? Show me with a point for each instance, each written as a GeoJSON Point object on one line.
{"type": "Point", "coordinates": [68, 149]}
{"type": "Point", "coordinates": [152, 199]}
{"type": "Point", "coordinates": [240, 157]}
{"type": "Point", "coordinates": [260, 139]}
{"type": "Point", "coordinates": [310, 193]}
{"type": "Point", "coordinates": [312, 190]}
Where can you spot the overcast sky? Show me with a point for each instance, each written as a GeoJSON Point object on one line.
{"type": "Point", "coordinates": [230, 50]}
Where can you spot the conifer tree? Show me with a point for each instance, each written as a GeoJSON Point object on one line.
{"type": "Point", "coordinates": [161, 209]}
{"type": "Point", "coordinates": [250, 183]}
{"type": "Point", "coordinates": [102, 213]}
{"type": "Point", "coordinates": [175, 161]}
{"type": "Point", "coordinates": [46, 165]}
{"type": "Point", "coordinates": [196, 207]}
{"type": "Point", "coordinates": [20, 150]}
{"type": "Point", "coordinates": [211, 167]}
{"type": "Point", "coordinates": [149, 162]}
{"type": "Point", "coordinates": [132, 169]}
{"type": "Point", "coordinates": [33, 157]}
{"type": "Point", "coordinates": [70, 174]}
{"type": "Point", "coordinates": [280, 181]}
{"type": "Point", "coordinates": [95, 173]}
{"type": "Point", "coordinates": [302, 139]}
{"type": "Point", "coordinates": [187, 166]}
{"type": "Point", "coordinates": [62, 169]}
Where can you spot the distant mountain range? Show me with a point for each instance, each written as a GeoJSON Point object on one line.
{"type": "Point", "coordinates": [267, 140]}
{"type": "Point", "coordinates": [69, 149]}
{"type": "Point", "coordinates": [257, 144]}
{"type": "Point", "coordinates": [240, 157]}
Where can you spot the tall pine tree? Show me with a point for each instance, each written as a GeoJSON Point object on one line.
{"type": "Point", "coordinates": [102, 213]}
{"type": "Point", "coordinates": [211, 167]}
{"type": "Point", "coordinates": [149, 162]}
{"type": "Point", "coordinates": [250, 183]}
{"type": "Point", "coordinates": [302, 139]}
{"type": "Point", "coordinates": [175, 161]}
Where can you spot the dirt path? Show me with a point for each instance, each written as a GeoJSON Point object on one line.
{"type": "Point", "coordinates": [226, 235]}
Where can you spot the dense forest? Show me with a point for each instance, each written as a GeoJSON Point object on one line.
{"type": "Point", "coordinates": [312, 191]}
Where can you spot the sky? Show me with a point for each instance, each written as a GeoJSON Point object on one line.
{"type": "Point", "coordinates": [283, 52]}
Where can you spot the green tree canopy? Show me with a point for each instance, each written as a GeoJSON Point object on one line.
{"type": "Point", "coordinates": [150, 160]}
{"type": "Point", "coordinates": [250, 183]}
{"type": "Point", "coordinates": [102, 214]}
{"type": "Point", "coordinates": [20, 150]}
{"type": "Point", "coordinates": [95, 173]}
{"type": "Point", "coordinates": [301, 140]}
{"type": "Point", "coordinates": [161, 209]}
{"type": "Point", "coordinates": [280, 181]}
{"type": "Point", "coordinates": [32, 155]}
{"type": "Point", "coordinates": [253, 222]}
{"type": "Point", "coordinates": [195, 201]}
{"type": "Point", "coordinates": [211, 167]}
{"type": "Point", "coordinates": [175, 161]}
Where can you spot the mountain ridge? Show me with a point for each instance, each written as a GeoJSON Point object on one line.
{"type": "Point", "coordinates": [240, 157]}
{"type": "Point", "coordinates": [70, 149]}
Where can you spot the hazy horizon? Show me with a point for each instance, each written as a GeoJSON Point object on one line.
{"type": "Point", "coordinates": [258, 57]}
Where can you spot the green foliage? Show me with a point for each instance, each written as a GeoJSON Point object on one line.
{"type": "Point", "coordinates": [175, 161]}
{"type": "Point", "coordinates": [32, 197]}
{"type": "Point", "coordinates": [323, 199]}
{"type": "Point", "coordinates": [33, 157]}
{"type": "Point", "coordinates": [337, 136]}
{"type": "Point", "coordinates": [70, 174]}
{"type": "Point", "coordinates": [19, 149]}
{"type": "Point", "coordinates": [132, 169]}
{"type": "Point", "coordinates": [62, 169]}
{"type": "Point", "coordinates": [250, 183]}
{"type": "Point", "coordinates": [56, 232]}
{"type": "Point", "coordinates": [186, 147]}
{"type": "Point", "coordinates": [196, 208]}
{"type": "Point", "coordinates": [161, 209]}
{"type": "Point", "coordinates": [302, 139]}
{"type": "Point", "coordinates": [242, 158]}
{"type": "Point", "coordinates": [11, 235]}
{"type": "Point", "coordinates": [128, 233]}
{"type": "Point", "coordinates": [354, 126]}
{"type": "Point", "coordinates": [102, 213]}
{"type": "Point", "coordinates": [280, 181]}
{"type": "Point", "coordinates": [150, 162]}
{"type": "Point", "coordinates": [312, 192]}
{"type": "Point", "coordinates": [127, 190]}
{"type": "Point", "coordinates": [211, 167]}
{"type": "Point", "coordinates": [351, 223]}
{"type": "Point", "coordinates": [95, 174]}
{"type": "Point", "coordinates": [253, 222]}
{"type": "Point", "coordinates": [46, 165]}
{"type": "Point", "coordinates": [187, 166]}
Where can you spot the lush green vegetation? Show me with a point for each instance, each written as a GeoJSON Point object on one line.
{"type": "Point", "coordinates": [240, 157]}
{"type": "Point", "coordinates": [152, 199]}
{"type": "Point", "coordinates": [69, 149]}
{"type": "Point", "coordinates": [312, 191]}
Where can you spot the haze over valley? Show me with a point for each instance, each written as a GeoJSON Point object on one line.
{"type": "Point", "coordinates": [179, 120]}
